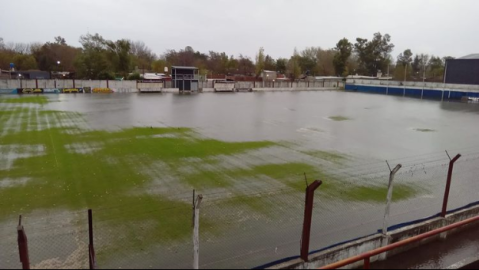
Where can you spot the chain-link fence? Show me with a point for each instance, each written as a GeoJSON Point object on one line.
{"type": "Point", "coordinates": [247, 227]}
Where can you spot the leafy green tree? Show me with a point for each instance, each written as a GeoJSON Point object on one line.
{"type": "Point", "coordinates": [159, 65]}
{"type": "Point", "coordinates": [405, 59]}
{"type": "Point", "coordinates": [134, 77]}
{"type": "Point", "coordinates": [282, 65]}
{"type": "Point", "coordinates": [294, 68]}
{"type": "Point", "coordinates": [93, 60]}
{"type": "Point", "coordinates": [309, 60]}
{"type": "Point", "coordinates": [25, 62]}
{"type": "Point", "coordinates": [260, 62]}
{"type": "Point", "coordinates": [232, 66]}
{"type": "Point", "coordinates": [373, 55]}
{"type": "Point", "coordinates": [436, 68]}
{"type": "Point", "coordinates": [344, 49]}
{"type": "Point", "coordinates": [246, 66]}
{"type": "Point", "coordinates": [119, 56]}
{"type": "Point", "coordinates": [48, 55]}
{"type": "Point", "coordinates": [325, 66]}
{"type": "Point", "coordinates": [416, 64]}
{"type": "Point", "coordinates": [269, 63]}
{"type": "Point", "coordinates": [105, 75]}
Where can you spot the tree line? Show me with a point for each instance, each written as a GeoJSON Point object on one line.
{"type": "Point", "coordinates": [99, 58]}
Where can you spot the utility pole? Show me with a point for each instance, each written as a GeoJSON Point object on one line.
{"type": "Point", "coordinates": [405, 73]}
{"type": "Point", "coordinates": [405, 79]}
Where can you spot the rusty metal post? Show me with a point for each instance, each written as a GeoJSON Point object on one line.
{"type": "Point", "coordinates": [308, 218]}
{"type": "Point", "coordinates": [23, 245]}
{"type": "Point", "coordinates": [367, 263]}
{"type": "Point", "coordinates": [448, 185]}
{"type": "Point", "coordinates": [91, 247]}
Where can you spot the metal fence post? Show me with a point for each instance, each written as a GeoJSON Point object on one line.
{"type": "Point", "coordinates": [91, 247]}
{"type": "Point", "coordinates": [448, 184]}
{"type": "Point", "coordinates": [388, 208]}
{"type": "Point", "coordinates": [390, 198]}
{"type": "Point", "coordinates": [23, 245]}
{"type": "Point", "coordinates": [367, 263]}
{"type": "Point", "coordinates": [196, 231]}
{"type": "Point", "coordinates": [308, 217]}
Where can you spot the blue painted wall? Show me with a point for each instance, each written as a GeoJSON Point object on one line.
{"type": "Point", "coordinates": [410, 92]}
{"type": "Point", "coordinates": [8, 91]}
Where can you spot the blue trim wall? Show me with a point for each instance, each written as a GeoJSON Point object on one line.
{"type": "Point", "coordinates": [410, 92]}
{"type": "Point", "coordinates": [8, 91]}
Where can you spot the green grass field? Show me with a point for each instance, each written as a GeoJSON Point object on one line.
{"type": "Point", "coordinates": [52, 160]}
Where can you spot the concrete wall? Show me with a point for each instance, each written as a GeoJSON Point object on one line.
{"type": "Point", "coordinates": [132, 86]}
{"type": "Point", "coordinates": [370, 243]}
{"type": "Point", "coordinates": [282, 84]}
{"type": "Point", "coordinates": [51, 84]}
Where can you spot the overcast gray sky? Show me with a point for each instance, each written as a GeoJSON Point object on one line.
{"type": "Point", "coordinates": [440, 27]}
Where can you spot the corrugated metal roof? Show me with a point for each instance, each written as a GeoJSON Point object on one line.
{"type": "Point", "coordinates": [179, 67]}
{"type": "Point", "coordinates": [471, 56]}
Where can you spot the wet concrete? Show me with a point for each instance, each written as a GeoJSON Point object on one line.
{"type": "Point", "coordinates": [438, 254]}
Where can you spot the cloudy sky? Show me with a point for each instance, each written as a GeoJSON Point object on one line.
{"type": "Point", "coordinates": [440, 27]}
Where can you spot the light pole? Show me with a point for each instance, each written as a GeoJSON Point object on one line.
{"type": "Point", "coordinates": [58, 68]}
{"type": "Point", "coordinates": [263, 77]}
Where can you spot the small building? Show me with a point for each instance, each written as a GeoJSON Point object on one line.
{"type": "Point", "coordinates": [269, 76]}
{"type": "Point", "coordinates": [463, 70]}
{"type": "Point", "coordinates": [185, 78]}
{"type": "Point", "coordinates": [5, 74]}
{"type": "Point", "coordinates": [31, 75]}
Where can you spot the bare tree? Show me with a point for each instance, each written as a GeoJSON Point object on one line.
{"type": "Point", "coordinates": [424, 64]}
{"type": "Point", "coordinates": [60, 41]}
{"type": "Point", "coordinates": [141, 50]}
{"type": "Point", "coordinates": [20, 48]}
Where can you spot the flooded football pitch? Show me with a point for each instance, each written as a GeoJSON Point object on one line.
{"type": "Point", "coordinates": [135, 160]}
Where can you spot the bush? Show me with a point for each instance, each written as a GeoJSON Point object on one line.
{"type": "Point", "coordinates": [134, 77]}
{"type": "Point", "coordinates": [105, 75]}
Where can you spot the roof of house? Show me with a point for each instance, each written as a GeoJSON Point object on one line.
{"type": "Point", "coordinates": [180, 67]}
{"type": "Point", "coordinates": [471, 56]}
{"type": "Point", "coordinates": [153, 76]}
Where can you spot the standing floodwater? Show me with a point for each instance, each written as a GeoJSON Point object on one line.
{"type": "Point", "coordinates": [372, 126]}
{"type": "Point", "coordinates": [135, 159]}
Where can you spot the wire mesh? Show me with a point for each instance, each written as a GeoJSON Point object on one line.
{"type": "Point", "coordinates": [247, 227]}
